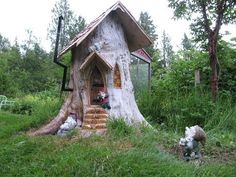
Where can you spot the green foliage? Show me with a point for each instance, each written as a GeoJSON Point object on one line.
{"type": "Point", "coordinates": [72, 24]}
{"type": "Point", "coordinates": [227, 59]}
{"type": "Point", "coordinates": [186, 43]}
{"type": "Point", "coordinates": [222, 11]}
{"type": "Point", "coordinates": [40, 106]}
{"type": "Point", "coordinates": [167, 52]}
{"type": "Point", "coordinates": [156, 65]}
{"type": "Point", "coordinates": [175, 101]}
{"type": "Point", "coordinates": [4, 43]}
{"type": "Point", "coordinates": [146, 23]}
{"type": "Point", "coordinates": [176, 111]}
{"type": "Point", "coordinates": [179, 76]}
{"type": "Point", "coordinates": [207, 18]}
{"type": "Point", "coordinates": [27, 69]}
{"type": "Point", "coordinates": [21, 108]}
{"type": "Point", "coordinates": [8, 66]}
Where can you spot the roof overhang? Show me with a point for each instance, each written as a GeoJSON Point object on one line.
{"type": "Point", "coordinates": [94, 57]}
{"type": "Point", "coordinates": [136, 37]}
{"type": "Point", "coordinates": [142, 54]}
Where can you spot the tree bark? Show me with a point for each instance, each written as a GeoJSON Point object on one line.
{"type": "Point", "coordinates": [53, 125]}
{"type": "Point", "coordinates": [212, 43]}
{"type": "Point", "coordinates": [214, 64]}
{"type": "Point", "coordinates": [72, 104]}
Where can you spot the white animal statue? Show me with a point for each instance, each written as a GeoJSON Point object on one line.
{"type": "Point", "coordinates": [190, 142]}
{"type": "Point", "coordinates": [68, 125]}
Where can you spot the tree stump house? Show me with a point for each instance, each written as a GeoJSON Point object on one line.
{"type": "Point", "coordinates": [101, 56]}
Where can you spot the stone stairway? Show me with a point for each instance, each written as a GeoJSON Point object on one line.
{"type": "Point", "coordinates": [95, 120]}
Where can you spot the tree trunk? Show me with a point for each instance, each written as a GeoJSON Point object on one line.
{"type": "Point", "coordinates": [214, 64]}
{"type": "Point", "coordinates": [72, 104]}
{"type": "Point", "coordinates": [110, 43]}
{"type": "Point", "coordinates": [53, 126]}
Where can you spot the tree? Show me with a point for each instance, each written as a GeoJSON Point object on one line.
{"type": "Point", "coordinates": [72, 24]}
{"type": "Point", "coordinates": [166, 50]}
{"type": "Point", "coordinates": [9, 55]}
{"type": "Point", "coordinates": [187, 48]}
{"type": "Point", "coordinates": [4, 43]}
{"type": "Point", "coordinates": [147, 24]}
{"type": "Point", "coordinates": [207, 18]}
{"type": "Point", "coordinates": [186, 43]}
{"type": "Point", "coordinates": [33, 71]}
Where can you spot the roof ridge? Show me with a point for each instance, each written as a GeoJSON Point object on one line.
{"type": "Point", "coordinates": [92, 25]}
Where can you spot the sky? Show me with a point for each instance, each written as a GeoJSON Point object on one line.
{"type": "Point", "coordinates": [17, 16]}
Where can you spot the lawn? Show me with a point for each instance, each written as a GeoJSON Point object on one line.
{"type": "Point", "coordinates": [124, 151]}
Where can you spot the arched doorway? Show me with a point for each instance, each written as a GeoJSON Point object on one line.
{"type": "Point", "coordinates": [96, 85]}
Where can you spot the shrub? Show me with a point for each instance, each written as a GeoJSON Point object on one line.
{"type": "Point", "coordinates": [41, 106]}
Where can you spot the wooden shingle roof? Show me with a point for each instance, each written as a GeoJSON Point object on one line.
{"type": "Point", "coordinates": [135, 35]}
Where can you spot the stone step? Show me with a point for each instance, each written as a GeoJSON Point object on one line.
{"type": "Point", "coordinates": [95, 116]}
{"type": "Point", "coordinates": [97, 110]}
{"type": "Point", "coordinates": [94, 126]}
{"type": "Point", "coordinates": [95, 121]}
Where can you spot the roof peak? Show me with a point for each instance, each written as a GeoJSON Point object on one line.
{"type": "Point", "coordinates": [138, 39]}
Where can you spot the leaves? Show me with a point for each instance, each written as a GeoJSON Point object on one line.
{"type": "Point", "coordinates": [72, 24]}
{"type": "Point", "coordinates": [146, 23]}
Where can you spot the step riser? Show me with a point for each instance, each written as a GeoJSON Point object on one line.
{"type": "Point", "coordinates": [95, 119]}
{"type": "Point", "coordinates": [94, 126]}
{"type": "Point", "coordinates": [96, 110]}
{"type": "Point", "coordinates": [91, 116]}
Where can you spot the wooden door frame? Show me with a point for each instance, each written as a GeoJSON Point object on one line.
{"type": "Point", "coordinates": [90, 81]}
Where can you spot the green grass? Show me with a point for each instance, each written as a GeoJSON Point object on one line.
{"type": "Point", "coordinates": [124, 151]}
{"type": "Point", "coordinates": [176, 111]}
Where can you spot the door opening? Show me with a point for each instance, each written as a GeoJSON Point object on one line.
{"type": "Point", "coordinates": [96, 85]}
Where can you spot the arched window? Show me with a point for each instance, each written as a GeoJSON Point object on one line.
{"type": "Point", "coordinates": [117, 78]}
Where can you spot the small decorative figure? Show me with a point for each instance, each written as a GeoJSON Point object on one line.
{"type": "Point", "coordinates": [68, 125]}
{"type": "Point", "coordinates": [102, 98]}
{"type": "Point", "coordinates": [190, 142]}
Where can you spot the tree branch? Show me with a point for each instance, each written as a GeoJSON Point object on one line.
{"type": "Point", "coordinates": [221, 4]}
{"type": "Point", "coordinates": [206, 21]}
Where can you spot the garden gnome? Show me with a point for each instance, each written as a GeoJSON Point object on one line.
{"type": "Point", "coordinates": [102, 98]}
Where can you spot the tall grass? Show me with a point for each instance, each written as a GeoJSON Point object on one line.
{"type": "Point", "coordinates": [176, 111]}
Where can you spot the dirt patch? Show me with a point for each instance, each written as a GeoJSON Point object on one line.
{"type": "Point", "coordinates": [224, 155]}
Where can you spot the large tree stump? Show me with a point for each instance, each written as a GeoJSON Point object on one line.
{"type": "Point", "coordinates": [101, 61]}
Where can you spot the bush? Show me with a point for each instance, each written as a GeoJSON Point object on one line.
{"type": "Point", "coordinates": [23, 106]}
{"type": "Point", "coordinates": [41, 107]}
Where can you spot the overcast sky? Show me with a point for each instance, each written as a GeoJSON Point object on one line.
{"type": "Point", "coordinates": [16, 16]}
